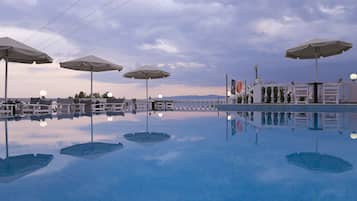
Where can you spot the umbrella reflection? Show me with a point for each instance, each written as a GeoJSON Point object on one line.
{"type": "Point", "coordinates": [15, 167]}
{"type": "Point", "coordinates": [319, 162]}
{"type": "Point", "coordinates": [316, 161]}
{"type": "Point", "coordinates": [91, 150]}
{"type": "Point", "coordinates": [147, 137]}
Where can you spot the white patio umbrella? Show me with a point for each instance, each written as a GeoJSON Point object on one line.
{"type": "Point", "coordinates": [15, 51]}
{"type": "Point", "coordinates": [316, 48]}
{"type": "Point", "coordinates": [91, 63]}
{"type": "Point", "coordinates": [147, 72]}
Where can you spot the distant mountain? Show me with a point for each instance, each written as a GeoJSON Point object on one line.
{"type": "Point", "coordinates": [195, 97]}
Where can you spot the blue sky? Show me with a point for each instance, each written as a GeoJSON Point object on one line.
{"type": "Point", "coordinates": [196, 41]}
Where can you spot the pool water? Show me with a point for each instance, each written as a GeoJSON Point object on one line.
{"type": "Point", "coordinates": [187, 156]}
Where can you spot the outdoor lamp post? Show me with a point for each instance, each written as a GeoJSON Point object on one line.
{"type": "Point", "coordinates": [353, 76]}
{"type": "Point", "coordinates": [160, 96]}
{"type": "Point", "coordinates": [110, 94]}
{"type": "Point", "coordinates": [43, 93]}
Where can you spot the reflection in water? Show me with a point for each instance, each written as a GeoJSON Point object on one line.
{"type": "Point", "coordinates": [15, 167]}
{"type": "Point", "coordinates": [312, 121]}
{"type": "Point", "coordinates": [91, 150]}
{"type": "Point", "coordinates": [319, 162]}
{"type": "Point", "coordinates": [147, 137]}
{"type": "Point", "coordinates": [216, 169]}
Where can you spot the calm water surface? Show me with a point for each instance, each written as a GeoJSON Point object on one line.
{"type": "Point", "coordinates": [188, 156]}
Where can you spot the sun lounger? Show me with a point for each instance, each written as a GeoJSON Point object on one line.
{"type": "Point", "coordinates": [38, 106]}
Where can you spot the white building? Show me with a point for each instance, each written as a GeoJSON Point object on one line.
{"type": "Point", "coordinates": [296, 93]}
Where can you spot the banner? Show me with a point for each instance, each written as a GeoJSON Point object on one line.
{"type": "Point", "coordinates": [233, 87]}
{"type": "Point", "coordinates": [240, 87]}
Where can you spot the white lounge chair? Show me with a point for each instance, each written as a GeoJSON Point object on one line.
{"type": "Point", "coordinates": [331, 93]}
{"type": "Point", "coordinates": [38, 106]}
{"type": "Point", "coordinates": [114, 104]}
{"type": "Point", "coordinates": [301, 92]}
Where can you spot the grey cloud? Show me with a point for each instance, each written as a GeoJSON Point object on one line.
{"type": "Point", "coordinates": [220, 34]}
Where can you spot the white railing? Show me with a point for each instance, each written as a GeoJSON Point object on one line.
{"type": "Point", "coordinates": [196, 105]}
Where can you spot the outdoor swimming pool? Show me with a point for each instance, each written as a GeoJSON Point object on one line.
{"type": "Point", "coordinates": [192, 156]}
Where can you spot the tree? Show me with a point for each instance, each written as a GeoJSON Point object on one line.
{"type": "Point", "coordinates": [96, 95]}
{"type": "Point", "coordinates": [82, 94]}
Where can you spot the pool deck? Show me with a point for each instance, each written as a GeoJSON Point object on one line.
{"type": "Point", "coordinates": [289, 107]}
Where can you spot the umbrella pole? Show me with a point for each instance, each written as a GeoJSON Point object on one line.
{"type": "Point", "coordinates": [147, 106]}
{"type": "Point", "coordinates": [227, 126]}
{"type": "Point", "coordinates": [6, 65]}
{"type": "Point", "coordinates": [91, 106]}
{"type": "Point", "coordinates": [91, 90]}
{"type": "Point", "coordinates": [6, 140]}
{"type": "Point", "coordinates": [91, 128]}
{"type": "Point", "coordinates": [316, 69]}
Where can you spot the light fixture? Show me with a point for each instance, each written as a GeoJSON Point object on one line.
{"type": "Point", "coordinates": [160, 114]}
{"type": "Point", "coordinates": [110, 94]}
{"type": "Point", "coordinates": [353, 76]}
{"type": "Point", "coordinates": [43, 123]}
{"type": "Point", "coordinates": [43, 93]}
{"type": "Point", "coordinates": [229, 117]}
{"type": "Point", "coordinates": [353, 136]}
{"type": "Point", "coordinates": [229, 93]}
{"type": "Point", "coordinates": [110, 118]}
{"type": "Point", "coordinates": [160, 96]}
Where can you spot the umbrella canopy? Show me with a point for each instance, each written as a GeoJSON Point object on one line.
{"type": "Point", "coordinates": [147, 72]}
{"type": "Point", "coordinates": [317, 48]}
{"type": "Point", "coordinates": [147, 137]}
{"type": "Point", "coordinates": [319, 162]}
{"type": "Point", "coordinates": [15, 167]}
{"type": "Point", "coordinates": [15, 51]}
{"type": "Point", "coordinates": [91, 150]}
{"type": "Point", "coordinates": [91, 63]}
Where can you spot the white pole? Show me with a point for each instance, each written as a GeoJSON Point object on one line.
{"type": "Point", "coordinates": [91, 128]}
{"type": "Point", "coordinates": [316, 68]}
{"type": "Point", "coordinates": [91, 90]}
{"type": "Point", "coordinates": [91, 107]}
{"type": "Point", "coordinates": [226, 89]}
{"type": "Point", "coordinates": [91, 84]}
{"type": "Point", "coordinates": [147, 106]}
{"type": "Point", "coordinates": [6, 66]}
{"type": "Point", "coordinates": [6, 140]}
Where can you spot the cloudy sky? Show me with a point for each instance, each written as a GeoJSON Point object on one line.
{"type": "Point", "coordinates": [198, 42]}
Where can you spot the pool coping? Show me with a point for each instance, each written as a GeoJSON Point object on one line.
{"type": "Point", "coordinates": [289, 107]}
